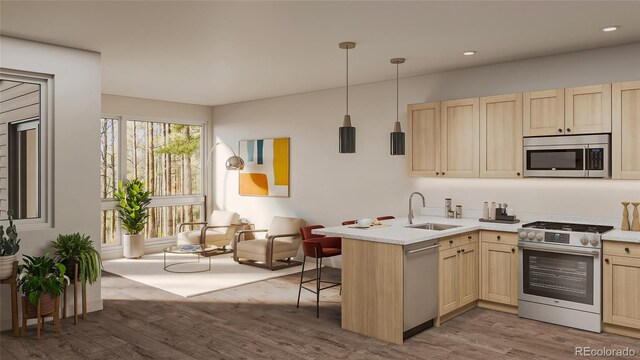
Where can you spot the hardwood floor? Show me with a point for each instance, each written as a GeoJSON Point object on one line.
{"type": "Point", "coordinates": [260, 320]}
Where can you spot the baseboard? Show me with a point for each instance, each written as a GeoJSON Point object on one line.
{"type": "Point", "coordinates": [450, 315]}
{"type": "Point", "coordinates": [621, 330]}
{"type": "Point", "coordinates": [5, 321]}
{"type": "Point", "coordinates": [511, 309]}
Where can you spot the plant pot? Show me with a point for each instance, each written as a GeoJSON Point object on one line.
{"type": "Point", "coordinates": [70, 265]}
{"type": "Point", "coordinates": [6, 266]}
{"type": "Point", "coordinates": [47, 305]}
{"type": "Point", "coordinates": [133, 245]}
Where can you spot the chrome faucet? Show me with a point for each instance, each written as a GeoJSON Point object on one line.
{"type": "Point", "coordinates": [424, 203]}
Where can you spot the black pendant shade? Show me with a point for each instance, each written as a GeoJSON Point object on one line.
{"type": "Point", "coordinates": [347, 133]}
{"type": "Point", "coordinates": [397, 141]}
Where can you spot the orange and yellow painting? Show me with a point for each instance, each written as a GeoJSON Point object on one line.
{"type": "Point", "coordinates": [266, 167]}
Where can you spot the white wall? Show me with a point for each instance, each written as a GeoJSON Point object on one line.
{"type": "Point", "coordinates": [145, 109]}
{"type": "Point", "coordinates": [327, 187]}
{"type": "Point", "coordinates": [76, 182]}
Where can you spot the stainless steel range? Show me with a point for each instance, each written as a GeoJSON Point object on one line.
{"type": "Point", "coordinates": [560, 275]}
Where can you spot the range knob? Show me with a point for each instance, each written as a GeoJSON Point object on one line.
{"type": "Point", "coordinates": [531, 235]}
{"type": "Point", "coordinates": [539, 236]}
{"type": "Point", "coordinates": [584, 240]}
{"type": "Point", "coordinates": [523, 235]}
{"type": "Point", "coordinates": [594, 241]}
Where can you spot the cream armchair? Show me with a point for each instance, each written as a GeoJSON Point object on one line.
{"type": "Point", "coordinates": [280, 244]}
{"type": "Point", "coordinates": [219, 231]}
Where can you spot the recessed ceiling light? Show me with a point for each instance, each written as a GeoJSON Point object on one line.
{"type": "Point", "coordinates": [469, 53]}
{"type": "Point", "coordinates": [610, 28]}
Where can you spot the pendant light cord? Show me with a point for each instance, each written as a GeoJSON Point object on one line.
{"type": "Point", "coordinates": [347, 81]}
{"type": "Point", "coordinates": [397, 93]}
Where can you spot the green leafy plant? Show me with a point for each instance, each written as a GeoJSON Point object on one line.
{"type": "Point", "coordinates": [40, 275]}
{"type": "Point", "coordinates": [133, 203]}
{"type": "Point", "coordinates": [9, 244]}
{"type": "Point", "coordinates": [76, 248]}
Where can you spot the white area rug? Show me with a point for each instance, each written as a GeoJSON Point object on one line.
{"type": "Point", "coordinates": [224, 273]}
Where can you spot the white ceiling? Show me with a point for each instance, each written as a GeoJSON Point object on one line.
{"type": "Point", "coordinates": [222, 52]}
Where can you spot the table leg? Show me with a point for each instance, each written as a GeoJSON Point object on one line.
{"type": "Point", "coordinates": [14, 309]}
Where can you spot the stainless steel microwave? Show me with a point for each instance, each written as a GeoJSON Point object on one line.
{"type": "Point", "coordinates": [578, 156]}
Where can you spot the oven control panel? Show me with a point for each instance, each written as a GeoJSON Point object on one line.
{"type": "Point", "coordinates": [559, 237]}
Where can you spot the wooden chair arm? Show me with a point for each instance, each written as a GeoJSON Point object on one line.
{"type": "Point", "coordinates": [270, 240]}
{"type": "Point", "coordinates": [190, 223]}
{"type": "Point", "coordinates": [203, 231]}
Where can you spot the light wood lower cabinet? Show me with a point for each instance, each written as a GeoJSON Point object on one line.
{"type": "Point", "coordinates": [621, 286]}
{"type": "Point", "coordinates": [458, 273]}
{"type": "Point", "coordinates": [499, 267]}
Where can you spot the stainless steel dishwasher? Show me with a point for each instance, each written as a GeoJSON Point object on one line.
{"type": "Point", "coordinates": [420, 286]}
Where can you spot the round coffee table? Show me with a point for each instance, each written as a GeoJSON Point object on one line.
{"type": "Point", "coordinates": [198, 250]}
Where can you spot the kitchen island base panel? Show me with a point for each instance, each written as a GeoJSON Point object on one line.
{"type": "Point", "coordinates": [372, 289]}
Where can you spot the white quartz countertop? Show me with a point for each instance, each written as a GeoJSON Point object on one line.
{"type": "Point", "coordinates": [398, 232]}
{"type": "Point", "coordinates": [624, 236]}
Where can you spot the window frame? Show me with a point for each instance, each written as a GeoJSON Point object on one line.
{"type": "Point", "coordinates": [156, 201]}
{"type": "Point", "coordinates": [45, 144]}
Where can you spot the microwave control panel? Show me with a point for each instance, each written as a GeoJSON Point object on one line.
{"type": "Point", "coordinates": [596, 159]}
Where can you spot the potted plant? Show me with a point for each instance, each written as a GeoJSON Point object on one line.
{"type": "Point", "coordinates": [133, 201]}
{"type": "Point", "coordinates": [9, 246]}
{"type": "Point", "coordinates": [41, 279]}
{"type": "Point", "coordinates": [78, 249]}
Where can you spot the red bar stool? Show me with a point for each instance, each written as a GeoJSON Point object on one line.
{"type": "Point", "coordinates": [348, 222]}
{"type": "Point", "coordinates": [318, 247]}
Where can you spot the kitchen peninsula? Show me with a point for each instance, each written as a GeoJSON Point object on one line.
{"type": "Point", "coordinates": [400, 279]}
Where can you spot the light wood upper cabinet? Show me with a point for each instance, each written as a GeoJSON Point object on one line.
{"type": "Point", "coordinates": [460, 138]}
{"type": "Point", "coordinates": [501, 136]}
{"type": "Point", "coordinates": [499, 273]}
{"type": "Point", "coordinates": [424, 139]}
{"type": "Point", "coordinates": [626, 130]}
{"type": "Point", "coordinates": [588, 109]}
{"type": "Point", "coordinates": [468, 273]}
{"type": "Point", "coordinates": [543, 113]}
{"type": "Point", "coordinates": [621, 284]}
{"type": "Point", "coordinates": [449, 288]}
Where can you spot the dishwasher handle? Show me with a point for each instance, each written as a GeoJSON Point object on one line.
{"type": "Point", "coordinates": [409, 252]}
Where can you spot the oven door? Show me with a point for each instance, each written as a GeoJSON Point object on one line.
{"type": "Point", "coordinates": [556, 161]}
{"type": "Point", "coordinates": [560, 276]}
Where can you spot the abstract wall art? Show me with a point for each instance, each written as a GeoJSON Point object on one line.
{"type": "Point", "coordinates": [266, 167]}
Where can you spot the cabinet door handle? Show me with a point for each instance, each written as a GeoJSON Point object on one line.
{"type": "Point", "coordinates": [423, 249]}
{"type": "Point", "coordinates": [458, 251]}
{"type": "Point", "coordinates": [559, 130]}
{"type": "Point", "coordinates": [462, 250]}
{"type": "Point", "coordinates": [568, 130]}
{"type": "Point", "coordinates": [451, 242]}
{"type": "Point", "coordinates": [443, 173]}
{"type": "Point", "coordinates": [513, 250]}
{"type": "Point", "coordinates": [626, 249]}
{"type": "Point", "coordinates": [469, 237]}
{"type": "Point", "coordinates": [498, 237]}
{"type": "Point", "coordinates": [518, 174]}
{"type": "Point", "coordinates": [437, 173]}
{"type": "Point", "coordinates": [606, 260]}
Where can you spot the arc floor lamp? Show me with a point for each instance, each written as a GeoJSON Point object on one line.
{"type": "Point", "coordinates": [234, 162]}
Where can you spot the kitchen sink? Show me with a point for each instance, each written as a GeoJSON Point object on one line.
{"type": "Point", "coordinates": [432, 226]}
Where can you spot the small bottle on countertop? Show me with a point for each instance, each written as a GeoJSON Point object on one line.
{"type": "Point", "coordinates": [458, 211]}
{"type": "Point", "coordinates": [485, 211]}
{"type": "Point", "coordinates": [492, 211]}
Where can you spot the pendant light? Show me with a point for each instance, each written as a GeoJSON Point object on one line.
{"type": "Point", "coordinates": [347, 133]}
{"type": "Point", "coordinates": [397, 136]}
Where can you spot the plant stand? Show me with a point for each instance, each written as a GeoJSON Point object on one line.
{"type": "Point", "coordinates": [75, 298]}
{"type": "Point", "coordinates": [12, 280]}
{"type": "Point", "coordinates": [39, 314]}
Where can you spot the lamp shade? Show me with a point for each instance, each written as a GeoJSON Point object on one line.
{"type": "Point", "coordinates": [397, 143]}
{"type": "Point", "coordinates": [234, 163]}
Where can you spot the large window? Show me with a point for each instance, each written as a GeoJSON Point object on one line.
{"type": "Point", "coordinates": [167, 157]}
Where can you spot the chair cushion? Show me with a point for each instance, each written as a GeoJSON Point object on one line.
{"type": "Point", "coordinates": [223, 218]}
{"type": "Point", "coordinates": [193, 237]}
{"type": "Point", "coordinates": [259, 246]}
{"type": "Point", "coordinates": [285, 225]}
